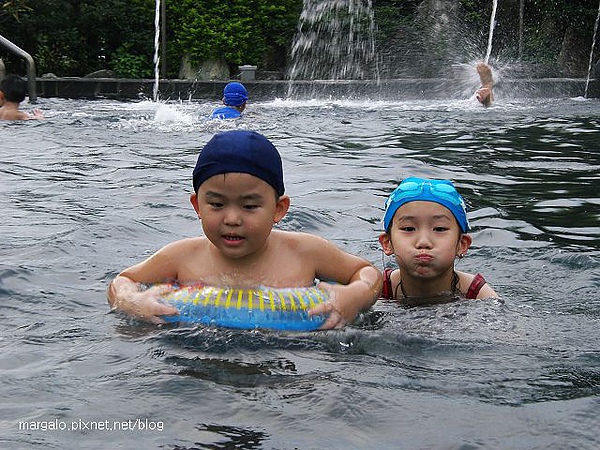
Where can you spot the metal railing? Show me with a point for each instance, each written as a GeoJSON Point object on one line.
{"type": "Point", "coordinates": [31, 84]}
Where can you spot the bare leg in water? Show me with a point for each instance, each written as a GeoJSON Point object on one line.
{"type": "Point", "coordinates": [485, 94]}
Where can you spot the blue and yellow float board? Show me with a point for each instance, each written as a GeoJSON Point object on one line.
{"type": "Point", "coordinates": [277, 309]}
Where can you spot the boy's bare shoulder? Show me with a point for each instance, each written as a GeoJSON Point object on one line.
{"type": "Point", "coordinates": [8, 114]}
{"type": "Point", "coordinates": [186, 245]}
{"type": "Point", "coordinates": [298, 238]}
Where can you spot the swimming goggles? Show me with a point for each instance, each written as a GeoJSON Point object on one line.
{"type": "Point", "coordinates": [413, 189]}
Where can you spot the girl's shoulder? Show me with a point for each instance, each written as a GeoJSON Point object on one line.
{"type": "Point", "coordinates": [474, 286]}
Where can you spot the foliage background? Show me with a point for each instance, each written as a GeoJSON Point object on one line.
{"type": "Point", "coordinates": [77, 37]}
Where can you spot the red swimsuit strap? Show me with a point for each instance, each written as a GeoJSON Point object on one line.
{"type": "Point", "coordinates": [476, 285]}
{"type": "Point", "coordinates": [386, 292]}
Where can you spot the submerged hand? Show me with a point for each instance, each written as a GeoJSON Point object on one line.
{"type": "Point", "coordinates": [339, 309]}
{"type": "Point", "coordinates": [35, 114]}
{"type": "Point", "coordinates": [145, 305]}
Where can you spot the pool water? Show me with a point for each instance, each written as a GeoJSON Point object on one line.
{"type": "Point", "coordinates": [100, 185]}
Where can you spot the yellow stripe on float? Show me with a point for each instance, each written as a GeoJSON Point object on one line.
{"type": "Point", "coordinates": [229, 295]}
{"type": "Point", "coordinates": [207, 295]}
{"type": "Point", "coordinates": [292, 303]}
{"type": "Point", "coordinates": [261, 301]}
{"type": "Point", "coordinates": [272, 300]}
{"type": "Point", "coordinates": [250, 291]}
{"type": "Point", "coordinates": [318, 295]}
{"type": "Point", "coordinates": [240, 296]}
{"type": "Point", "coordinates": [219, 293]}
{"type": "Point", "coordinates": [301, 300]}
{"type": "Point", "coordinates": [311, 301]}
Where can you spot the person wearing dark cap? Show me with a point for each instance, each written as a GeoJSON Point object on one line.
{"type": "Point", "coordinates": [239, 196]}
{"type": "Point", "coordinates": [235, 97]}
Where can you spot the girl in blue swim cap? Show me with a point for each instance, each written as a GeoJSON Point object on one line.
{"type": "Point", "coordinates": [425, 229]}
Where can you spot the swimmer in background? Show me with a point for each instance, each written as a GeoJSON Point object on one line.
{"type": "Point", "coordinates": [485, 94]}
{"type": "Point", "coordinates": [13, 90]}
{"type": "Point", "coordinates": [235, 97]}
{"type": "Point", "coordinates": [425, 229]}
{"type": "Point", "coordinates": [238, 197]}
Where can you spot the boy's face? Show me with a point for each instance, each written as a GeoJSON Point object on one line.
{"type": "Point", "coordinates": [425, 238]}
{"type": "Point", "coordinates": [238, 211]}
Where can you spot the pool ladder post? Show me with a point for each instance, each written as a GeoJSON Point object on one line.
{"type": "Point", "coordinates": [30, 66]}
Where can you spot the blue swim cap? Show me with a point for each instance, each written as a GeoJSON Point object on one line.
{"type": "Point", "coordinates": [240, 151]}
{"type": "Point", "coordinates": [419, 189]}
{"type": "Point", "coordinates": [235, 94]}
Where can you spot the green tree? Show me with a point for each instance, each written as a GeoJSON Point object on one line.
{"type": "Point", "coordinates": [239, 31]}
{"type": "Point", "coordinates": [73, 37]}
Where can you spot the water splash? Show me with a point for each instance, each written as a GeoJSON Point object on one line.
{"type": "Point", "coordinates": [334, 41]}
{"type": "Point", "coordinates": [587, 81]}
{"type": "Point", "coordinates": [156, 48]}
{"type": "Point", "coordinates": [491, 32]}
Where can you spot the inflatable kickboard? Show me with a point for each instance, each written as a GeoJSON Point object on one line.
{"type": "Point", "coordinates": [277, 309]}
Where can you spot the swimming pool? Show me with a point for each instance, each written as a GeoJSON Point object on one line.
{"type": "Point", "coordinates": [98, 185]}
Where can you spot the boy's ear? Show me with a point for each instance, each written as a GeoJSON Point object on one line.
{"type": "Point", "coordinates": [281, 208]}
{"type": "Point", "coordinates": [386, 244]}
{"type": "Point", "coordinates": [194, 202]}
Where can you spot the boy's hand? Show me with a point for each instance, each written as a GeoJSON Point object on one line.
{"type": "Point", "coordinates": [340, 308]}
{"type": "Point", "coordinates": [36, 114]}
{"type": "Point", "coordinates": [145, 305]}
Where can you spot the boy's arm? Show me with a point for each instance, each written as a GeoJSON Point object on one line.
{"type": "Point", "coordinates": [359, 288]}
{"type": "Point", "coordinates": [125, 295]}
{"type": "Point", "coordinates": [346, 301]}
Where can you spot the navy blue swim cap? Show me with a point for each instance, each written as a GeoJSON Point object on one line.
{"type": "Point", "coordinates": [235, 94]}
{"type": "Point", "coordinates": [240, 151]}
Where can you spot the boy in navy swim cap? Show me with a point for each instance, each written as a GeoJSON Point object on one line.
{"type": "Point", "coordinates": [235, 97]}
{"type": "Point", "coordinates": [239, 195]}
{"type": "Point", "coordinates": [425, 228]}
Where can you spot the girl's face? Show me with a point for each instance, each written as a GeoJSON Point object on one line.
{"type": "Point", "coordinates": [238, 211]}
{"type": "Point", "coordinates": [425, 238]}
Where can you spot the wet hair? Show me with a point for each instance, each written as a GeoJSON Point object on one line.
{"type": "Point", "coordinates": [14, 88]}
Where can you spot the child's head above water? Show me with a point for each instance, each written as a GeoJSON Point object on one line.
{"type": "Point", "coordinates": [14, 88]}
{"type": "Point", "coordinates": [413, 189]}
{"type": "Point", "coordinates": [235, 94]}
{"type": "Point", "coordinates": [240, 151]}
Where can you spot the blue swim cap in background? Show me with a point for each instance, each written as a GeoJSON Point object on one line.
{"type": "Point", "coordinates": [420, 189]}
{"type": "Point", "coordinates": [240, 151]}
{"type": "Point", "coordinates": [235, 94]}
